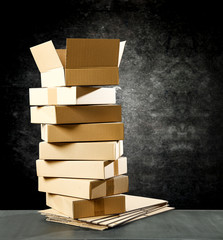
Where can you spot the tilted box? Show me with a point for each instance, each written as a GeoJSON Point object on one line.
{"type": "Point", "coordinates": [79, 208]}
{"type": "Point", "coordinates": [84, 188]}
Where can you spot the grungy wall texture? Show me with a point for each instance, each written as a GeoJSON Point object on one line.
{"type": "Point", "coordinates": [170, 91]}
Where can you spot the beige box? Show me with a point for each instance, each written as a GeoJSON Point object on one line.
{"type": "Point", "coordinates": [78, 208]}
{"type": "Point", "coordinates": [71, 96]}
{"type": "Point", "coordinates": [82, 169]}
{"type": "Point", "coordinates": [76, 114]}
{"type": "Point", "coordinates": [84, 188]}
{"type": "Point", "coordinates": [82, 132]}
{"type": "Point", "coordinates": [81, 150]}
{"type": "Point", "coordinates": [84, 62]}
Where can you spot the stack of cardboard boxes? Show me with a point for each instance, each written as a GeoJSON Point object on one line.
{"type": "Point", "coordinates": [80, 158]}
{"type": "Point", "coordinates": [80, 165]}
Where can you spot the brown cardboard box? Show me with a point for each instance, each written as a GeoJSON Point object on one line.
{"type": "Point", "coordinates": [82, 132]}
{"type": "Point", "coordinates": [84, 188]}
{"type": "Point", "coordinates": [76, 114]}
{"type": "Point", "coordinates": [88, 62]}
{"type": "Point", "coordinates": [71, 96]}
{"type": "Point", "coordinates": [82, 169]}
{"type": "Point", "coordinates": [81, 150]}
{"type": "Point", "coordinates": [78, 208]}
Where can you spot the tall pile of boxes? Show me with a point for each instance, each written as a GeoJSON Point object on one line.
{"type": "Point", "coordinates": [80, 165]}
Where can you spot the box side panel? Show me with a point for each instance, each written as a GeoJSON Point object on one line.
{"type": "Point", "coordinates": [120, 166]}
{"type": "Point", "coordinates": [66, 95]}
{"type": "Point", "coordinates": [93, 95]}
{"type": "Point", "coordinates": [88, 114]}
{"type": "Point", "coordinates": [92, 76]}
{"type": "Point", "coordinates": [43, 114]}
{"type": "Point", "coordinates": [60, 203]}
{"type": "Point", "coordinates": [70, 169]}
{"type": "Point", "coordinates": [114, 204]}
{"type": "Point", "coordinates": [83, 208]}
{"type": "Point", "coordinates": [38, 96]}
{"type": "Point", "coordinates": [117, 185]}
{"type": "Point", "coordinates": [83, 132]}
{"type": "Point", "coordinates": [65, 186]}
{"type": "Point", "coordinates": [97, 189]}
{"type": "Point", "coordinates": [53, 78]}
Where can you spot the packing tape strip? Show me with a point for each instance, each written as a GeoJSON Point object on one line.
{"type": "Point", "coordinates": [52, 96]}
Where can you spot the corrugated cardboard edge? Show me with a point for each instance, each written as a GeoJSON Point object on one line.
{"type": "Point", "coordinates": [54, 216]}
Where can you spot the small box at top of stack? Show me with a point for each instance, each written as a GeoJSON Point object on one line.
{"type": "Point", "coordinates": [80, 165]}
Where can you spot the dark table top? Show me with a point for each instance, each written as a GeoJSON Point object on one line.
{"type": "Point", "coordinates": [174, 225]}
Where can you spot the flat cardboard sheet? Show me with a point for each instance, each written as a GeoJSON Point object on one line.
{"type": "Point", "coordinates": [145, 207]}
{"type": "Point", "coordinates": [84, 188]}
{"type": "Point", "coordinates": [82, 132]}
{"type": "Point", "coordinates": [79, 208]}
{"type": "Point", "coordinates": [82, 169]}
{"type": "Point", "coordinates": [71, 96]}
{"type": "Point", "coordinates": [100, 151]}
{"type": "Point", "coordinates": [76, 114]}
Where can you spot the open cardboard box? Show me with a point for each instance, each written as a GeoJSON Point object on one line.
{"type": "Point", "coordinates": [84, 62]}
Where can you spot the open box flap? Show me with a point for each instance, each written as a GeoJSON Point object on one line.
{"type": "Point", "coordinates": [46, 57]}
{"type": "Point", "coordinates": [121, 50]}
{"type": "Point", "coordinates": [92, 53]}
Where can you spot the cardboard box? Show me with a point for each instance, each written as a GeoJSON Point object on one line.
{"type": "Point", "coordinates": [82, 132]}
{"type": "Point", "coordinates": [84, 188]}
{"type": "Point", "coordinates": [76, 114]}
{"type": "Point", "coordinates": [71, 96]}
{"type": "Point", "coordinates": [78, 208]}
{"type": "Point", "coordinates": [82, 169]}
{"type": "Point", "coordinates": [81, 150]}
{"type": "Point", "coordinates": [88, 62]}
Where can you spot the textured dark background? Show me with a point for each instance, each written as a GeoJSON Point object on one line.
{"type": "Point", "coordinates": [170, 90]}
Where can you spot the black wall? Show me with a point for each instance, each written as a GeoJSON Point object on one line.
{"type": "Point", "coordinates": [170, 91]}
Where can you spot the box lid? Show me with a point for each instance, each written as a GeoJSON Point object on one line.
{"type": "Point", "coordinates": [91, 53]}
{"type": "Point", "coordinates": [46, 57]}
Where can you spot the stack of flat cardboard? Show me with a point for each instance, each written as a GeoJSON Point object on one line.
{"type": "Point", "coordinates": [80, 165]}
